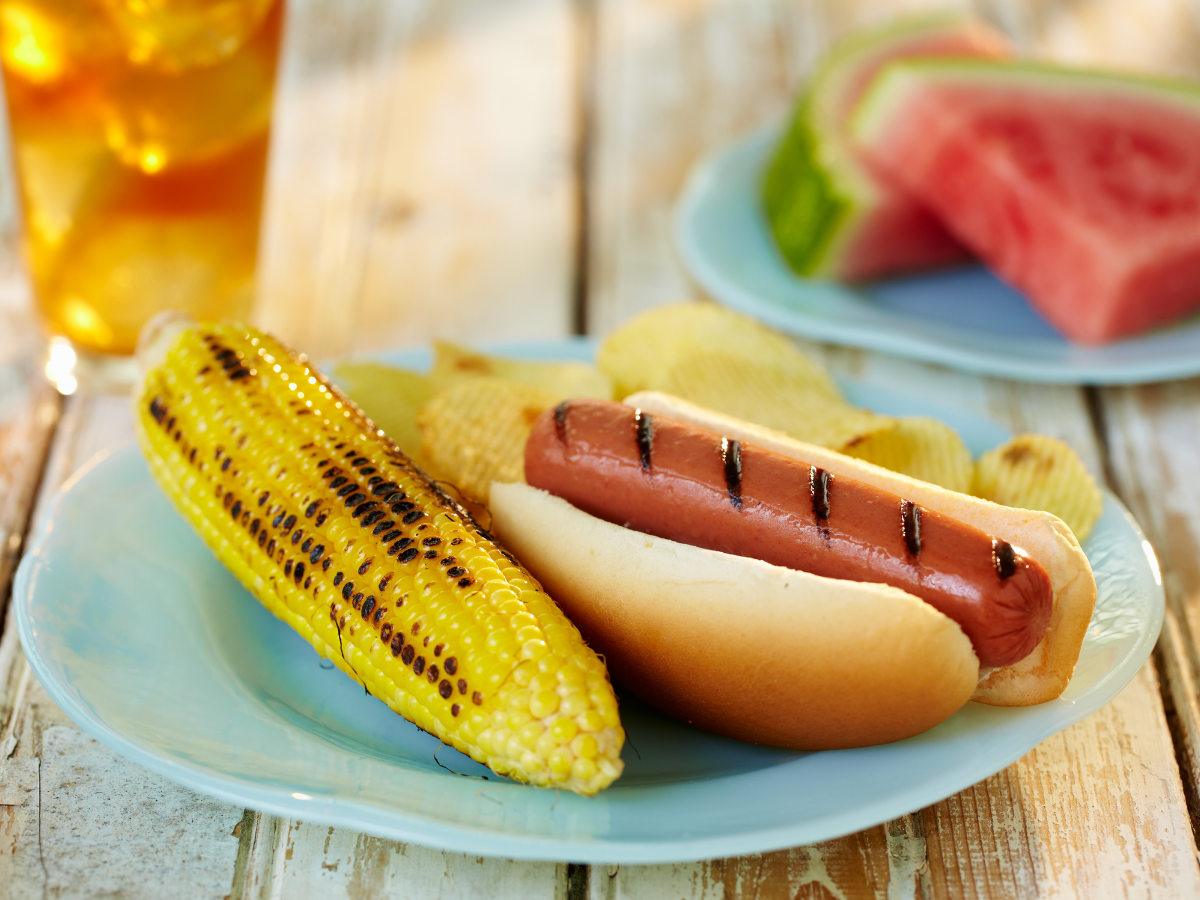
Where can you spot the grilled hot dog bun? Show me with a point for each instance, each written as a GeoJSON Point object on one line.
{"type": "Point", "coordinates": [775, 656]}
{"type": "Point", "coordinates": [1039, 677]}
{"type": "Point", "coordinates": [737, 646]}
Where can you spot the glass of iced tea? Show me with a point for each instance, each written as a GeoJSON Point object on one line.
{"type": "Point", "coordinates": [139, 130]}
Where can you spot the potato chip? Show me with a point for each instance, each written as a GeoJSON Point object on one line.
{"type": "Point", "coordinates": [640, 355]}
{"type": "Point", "coordinates": [475, 430]}
{"type": "Point", "coordinates": [563, 379]}
{"type": "Point", "coordinates": [1034, 471]}
{"type": "Point", "coordinates": [391, 397]}
{"type": "Point", "coordinates": [773, 393]}
{"type": "Point", "coordinates": [920, 447]}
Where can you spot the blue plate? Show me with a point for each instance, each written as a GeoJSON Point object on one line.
{"type": "Point", "coordinates": [965, 318]}
{"type": "Point", "coordinates": [153, 648]}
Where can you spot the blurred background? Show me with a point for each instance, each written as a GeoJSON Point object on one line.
{"type": "Point", "coordinates": [487, 170]}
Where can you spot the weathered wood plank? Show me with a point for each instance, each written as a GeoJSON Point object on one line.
{"type": "Point", "coordinates": [301, 860]}
{"type": "Point", "coordinates": [672, 81]}
{"type": "Point", "coordinates": [422, 187]}
{"type": "Point", "coordinates": [76, 819]}
{"type": "Point", "coordinates": [1153, 436]}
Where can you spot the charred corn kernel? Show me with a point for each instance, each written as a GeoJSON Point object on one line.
{"type": "Point", "coordinates": [336, 532]}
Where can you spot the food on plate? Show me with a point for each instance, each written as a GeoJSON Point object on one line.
{"type": "Point", "coordinates": [474, 431]}
{"type": "Point", "coordinates": [830, 214]}
{"type": "Point", "coordinates": [730, 362]}
{"type": "Point", "coordinates": [921, 447]}
{"type": "Point", "coordinates": [694, 486]}
{"type": "Point", "coordinates": [562, 378]}
{"type": "Point", "coordinates": [390, 397]}
{"type": "Point", "coordinates": [1081, 189]}
{"type": "Point", "coordinates": [727, 362]}
{"type": "Point", "coordinates": [771, 654]}
{"type": "Point", "coordinates": [339, 534]}
{"type": "Point", "coordinates": [1036, 471]}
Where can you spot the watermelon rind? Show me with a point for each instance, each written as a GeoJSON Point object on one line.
{"type": "Point", "coordinates": [886, 93]}
{"type": "Point", "coordinates": [815, 192]}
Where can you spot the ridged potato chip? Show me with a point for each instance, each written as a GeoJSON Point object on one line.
{"type": "Point", "coordinates": [563, 379]}
{"type": "Point", "coordinates": [391, 397]}
{"type": "Point", "coordinates": [640, 355]}
{"type": "Point", "coordinates": [1035, 471]}
{"type": "Point", "coordinates": [475, 430]}
{"type": "Point", "coordinates": [772, 393]}
{"type": "Point", "coordinates": [921, 447]}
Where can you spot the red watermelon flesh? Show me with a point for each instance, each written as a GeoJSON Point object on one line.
{"type": "Point", "coordinates": [830, 214]}
{"type": "Point", "coordinates": [1080, 189]}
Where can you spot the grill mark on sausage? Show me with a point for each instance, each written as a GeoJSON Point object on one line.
{"type": "Point", "coordinates": [818, 485]}
{"type": "Point", "coordinates": [644, 425]}
{"type": "Point", "coordinates": [560, 420]}
{"type": "Point", "coordinates": [731, 458]}
{"type": "Point", "coordinates": [1003, 559]}
{"type": "Point", "coordinates": [910, 526]}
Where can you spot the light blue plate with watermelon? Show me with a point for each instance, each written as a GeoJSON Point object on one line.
{"type": "Point", "coordinates": [152, 647]}
{"type": "Point", "coordinates": [965, 318]}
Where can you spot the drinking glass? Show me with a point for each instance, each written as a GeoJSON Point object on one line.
{"type": "Point", "coordinates": [139, 132]}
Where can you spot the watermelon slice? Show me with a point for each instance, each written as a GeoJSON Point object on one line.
{"type": "Point", "coordinates": [830, 215]}
{"type": "Point", "coordinates": [1080, 189]}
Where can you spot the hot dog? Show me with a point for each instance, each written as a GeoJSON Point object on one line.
{"type": "Point", "coordinates": [677, 481]}
{"type": "Point", "coordinates": [769, 654]}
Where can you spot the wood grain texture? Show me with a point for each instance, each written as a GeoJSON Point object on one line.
{"type": "Point", "coordinates": [1153, 436]}
{"type": "Point", "coordinates": [422, 178]}
{"type": "Point", "coordinates": [305, 861]}
{"type": "Point", "coordinates": [672, 81]}
{"type": "Point", "coordinates": [76, 819]}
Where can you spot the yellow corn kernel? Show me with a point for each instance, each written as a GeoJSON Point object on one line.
{"type": "Point", "coordinates": [585, 746]}
{"type": "Point", "coordinates": [543, 704]}
{"type": "Point", "coordinates": [583, 769]}
{"type": "Point", "coordinates": [574, 704]}
{"type": "Point", "coordinates": [561, 761]}
{"type": "Point", "coordinates": [590, 720]}
{"type": "Point", "coordinates": [336, 532]}
{"type": "Point", "coordinates": [564, 730]}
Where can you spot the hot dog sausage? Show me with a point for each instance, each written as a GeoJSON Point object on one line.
{"type": "Point", "coordinates": [686, 484]}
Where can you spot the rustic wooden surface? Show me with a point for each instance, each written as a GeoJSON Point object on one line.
{"type": "Point", "coordinates": [485, 170]}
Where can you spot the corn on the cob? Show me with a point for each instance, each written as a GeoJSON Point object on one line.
{"type": "Point", "coordinates": [328, 524]}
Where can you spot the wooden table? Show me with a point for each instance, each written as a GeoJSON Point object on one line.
{"type": "Point", "coordinates": [479, 170]}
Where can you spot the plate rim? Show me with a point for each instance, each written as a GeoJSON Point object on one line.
{"type": "Point", "coordinates": [697, 194]}
{"type": "Point", "coordinates": [414, 827]}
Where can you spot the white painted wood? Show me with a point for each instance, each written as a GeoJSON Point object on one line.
{"type": "Point", "coordinates": [302, 860]}
{"type": "Point", "coordinates": [423, 187]}
{"type": "Point", "coordinates": [108, 828]}
{"type": "Point", "coordinates": [672, 81]}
